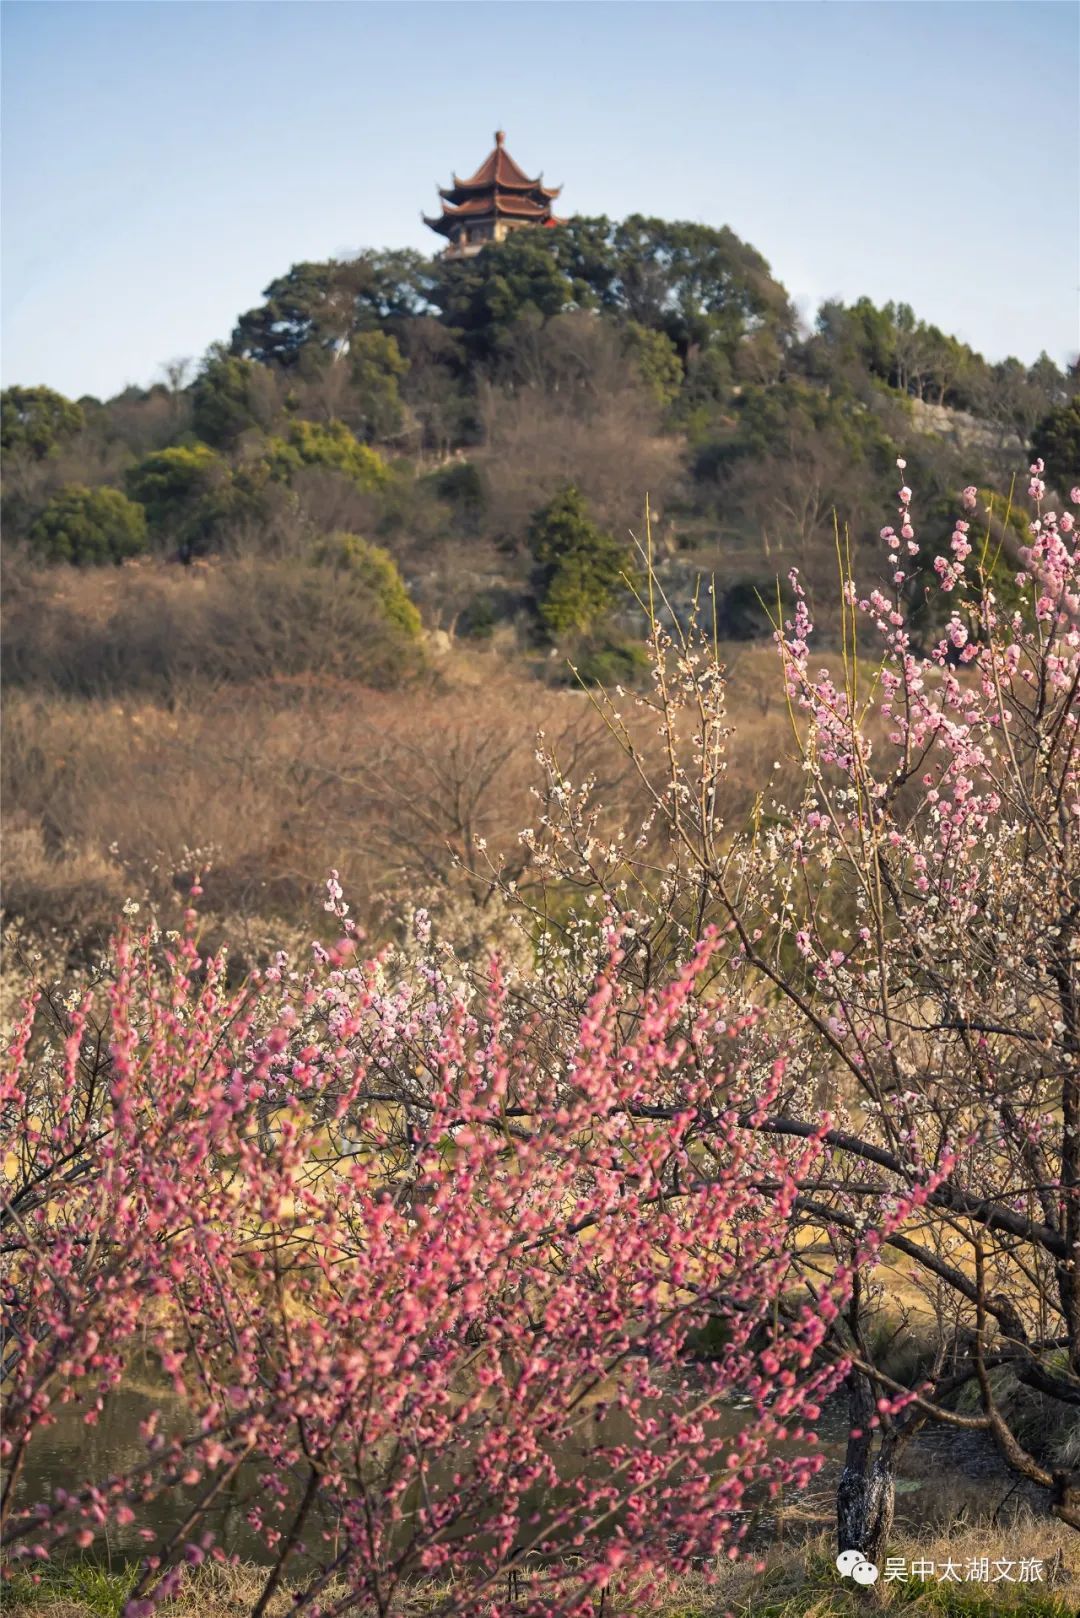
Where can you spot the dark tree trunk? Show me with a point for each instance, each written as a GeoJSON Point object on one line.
{"type": "Point", "coordinates": [866, 1493]}
{"type": "Point", "coordinates": [865, 1501]}
{"type": "Point", "coordinates": [1065, 1498]}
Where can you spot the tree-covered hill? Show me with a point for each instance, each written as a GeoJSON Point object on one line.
{"type": "Point", "coordinates": [438, 408]}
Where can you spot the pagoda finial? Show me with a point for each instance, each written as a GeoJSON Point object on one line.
{"type": "Point", "coordinates": [500, 137]}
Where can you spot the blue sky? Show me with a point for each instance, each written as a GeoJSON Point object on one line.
{"type": "Point", "coordinates": [162, 162]}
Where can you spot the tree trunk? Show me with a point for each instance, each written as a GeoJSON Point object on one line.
{"type": "Point", "coordinates": [865, 1501]}
{"type": "Point", "coordinates": [1065, 1499]}
{"type": "Point", "coordinates": [866, 1493]}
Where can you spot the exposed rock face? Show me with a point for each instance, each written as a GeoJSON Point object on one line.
{"type": "Point", "coordinates": [956, 427]}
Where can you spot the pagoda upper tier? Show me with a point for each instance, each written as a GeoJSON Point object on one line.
{"type": "Point", "coordinates": [498, 198]}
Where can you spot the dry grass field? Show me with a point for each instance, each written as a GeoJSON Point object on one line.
{"type": "Point", "coordinates": [797, 1580]}
{"type": "Point", "coordinates": [118, 787]}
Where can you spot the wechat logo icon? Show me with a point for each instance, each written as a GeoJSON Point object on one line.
{"type": "Point", "coordinates": [853, 1565]}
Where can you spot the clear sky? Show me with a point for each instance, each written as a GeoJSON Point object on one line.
{"type": "Point", "coordinates": [163, 162]}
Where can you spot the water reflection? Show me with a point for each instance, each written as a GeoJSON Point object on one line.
{"type": "Point", "coordinates": [72, 1452]}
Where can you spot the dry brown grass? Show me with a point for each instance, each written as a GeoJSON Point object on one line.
{"type": "Point", "coordinates": [123, 772]}
{"type": "Point", "coordinates": [796, 1579]}
{"type": "Point", "coordinates": [155, 628]}
{"type": "Point", "coordinates": [268, 787]}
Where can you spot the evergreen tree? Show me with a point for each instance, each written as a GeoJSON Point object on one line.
{"type": "Point", "coordinates": [580, 568]}
{"type": "Point", "coordinates": [1056, 439]}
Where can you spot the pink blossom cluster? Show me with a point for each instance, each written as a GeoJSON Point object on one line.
{"type": "Point", "coordinates": [399, 1262]}
{"type": "Point", "coordinates": [404, 1243]}
{"type": "Point", "coordinates": [904, 903]}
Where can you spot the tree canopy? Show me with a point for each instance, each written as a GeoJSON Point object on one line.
{"type": "Point", "coordinates": [230, 397]}
{"type": "Point", "coordinates": [1056, 440]}
{"type": "Point", "coordinates": [315, 308]}
{"type": "Point", "coordinates": [90, 526]}
{"type": "Point", "coordinates": [37, 420]}
{"type": "Point", "coordinates": [617, 358]}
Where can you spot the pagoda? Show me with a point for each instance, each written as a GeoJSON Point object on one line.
{"type": "Point", "coordinates": [497, 199]}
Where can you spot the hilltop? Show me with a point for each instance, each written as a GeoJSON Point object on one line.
{"type": "Point", "coordinates": [434, 406]}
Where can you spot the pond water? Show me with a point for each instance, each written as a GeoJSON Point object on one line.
{"type": "Point", "coordinates": [71, 1452]}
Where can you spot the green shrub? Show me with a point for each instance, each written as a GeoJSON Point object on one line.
{"type": "Point", "coordinates": [462, 485]}
{"type": "Point", "coordinates": [710, 1340]}
{"type": "Point", "coordinates": [1033, 1416]}
{"type": "Point", "coordinates": [370, 567]}
{"type": "Point", "coordinates": [179, 488]}
{"type": "Point", "coordinates": [282, 459]}
{"type": "Point", "coordinates": [478, 619]}
{"type": "Point", "coordinates": [89, 527]}
{"type": "Point", "coordinates": [331, 444]}
{"type": "Point", "coordinates": [581, 569]}
{"type": "Point", "coordinates": [612, 662]}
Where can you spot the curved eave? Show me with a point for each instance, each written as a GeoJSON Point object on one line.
{"type": "Point", "coordinates": [462, 190]}
{"type": "Point", "coordinates": [497, 208]}
{"type": "Point", "coordinates": [445, 223]}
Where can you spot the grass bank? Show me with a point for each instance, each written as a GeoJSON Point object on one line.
{"type": "Point", "coordinates": [798, 1581]}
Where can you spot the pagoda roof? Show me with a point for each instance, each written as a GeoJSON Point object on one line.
{"type": "Point", "coordinates": [493, 204]}
{"type": "Point", "coordinates": [499, 172]}
{"type": "Point", "coordinates": [498, 190]}
{"type": "Point", "coordinates": [501, 207]}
